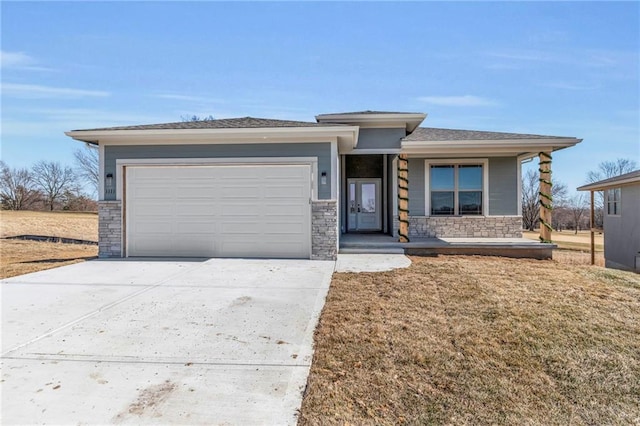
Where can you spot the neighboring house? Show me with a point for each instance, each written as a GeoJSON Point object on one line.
{"type": "Point", "coordinates": [251, 187]}
{"type": "Point", "coordinates": [621, 219]}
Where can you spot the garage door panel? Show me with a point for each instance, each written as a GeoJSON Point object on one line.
{"type": "Point", "coordinates": [285, 209]}
{"type": "Point", "coordinates": [196, 228]}
{"type": "Point", "coordinates": [155, 227]}
{"type": "Point", "coordinates": [284, 191]}
{"type": "Point", "coordinates": [284, 228]}
{"type": "Point", "coordinates": [194, 209]}
{"type": "Point", "coordinates": [225, 211]}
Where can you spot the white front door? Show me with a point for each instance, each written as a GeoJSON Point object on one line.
{"type": "Point", "coordinates": [364, 205]}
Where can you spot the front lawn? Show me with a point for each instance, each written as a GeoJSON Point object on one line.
{"type": "Point", "coordinates": [478, 340]}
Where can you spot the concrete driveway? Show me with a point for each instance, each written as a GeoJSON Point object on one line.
{"type": "Point", "coordinates": [221, 341]}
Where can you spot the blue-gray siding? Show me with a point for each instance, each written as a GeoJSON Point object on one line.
{"type": "Point", "coordinates": [503, 186]}
{"type": "Point", "coordinates": [322, 151]}
{"type": "Point", "coordinates": [622, 233]}
{"type": "Point", "coordinates": [380, 138]}
{"type": "Point", "coordinates": [416, 186]}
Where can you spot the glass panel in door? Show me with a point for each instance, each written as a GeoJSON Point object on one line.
{"type": "Point", "coordinates": [364, 212]}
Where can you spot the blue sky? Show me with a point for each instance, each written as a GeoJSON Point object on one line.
{"type": "Point", "coordinates": [566, 69]}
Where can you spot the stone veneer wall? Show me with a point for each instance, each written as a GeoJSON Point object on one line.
{"type": "Point", "coordinates": [465, 226]}
{"type": "Point", "coordinates": [109, 228]}
{"type": "Point", "coordinates": [324, 230]}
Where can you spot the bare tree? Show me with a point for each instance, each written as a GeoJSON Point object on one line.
{"type": "Point", "coordinates": [53, 180]}
{"type": "Point", "coordinates": [530, 210]}
{"type": "Point", "coordinates": [606, 170]}
{"type": "Point", "coordinates": [530, 205]}
{"type": "Point", "coordinates": [17, 190]}
{"type": "Point", "coordinates": [187, 118]}
{"type": "Point", "coordinates": [577, 206]}
{"type": "Point", "coordinates": [87, 165]}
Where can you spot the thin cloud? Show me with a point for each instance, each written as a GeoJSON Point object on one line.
{"type": "Point", "coordinates": [187, 98]}
{"type": "Point", "coordinates": [20, 60]}
{"type": "Point", "coordinates": [15, 59]}
{"type": "Point", "coordinates": [33, 91]}
{"type": "Point", "coordinates": [531, 56]}
{"type": "Point", "coordinates": [458, 101]}
{"type": "Point", "coordinates": [595, 58]}
{"type": "Point", "coordinates": [569, 86]}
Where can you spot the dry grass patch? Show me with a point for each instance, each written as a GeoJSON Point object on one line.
{"type": "Point", "coordinates": [569, 240]}
{"type": "Point", "coordinates": [19, 257]}
{"type": "Point", "coordinates": [77, 225]}
{"type": "Point", "coordinates": [471, 340]}
{"type": "Point", "coordinates": [22, 257]}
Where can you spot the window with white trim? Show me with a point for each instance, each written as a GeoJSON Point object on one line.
{"type": "Point", "coordinates": [456, 189]}
{"type": "Point", "coordinates": [613, 201]}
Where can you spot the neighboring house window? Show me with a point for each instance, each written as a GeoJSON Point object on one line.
{"type": "Point", "coordinates": [456, 189]}
{"type": "Point", "coordinates": [613, 201]}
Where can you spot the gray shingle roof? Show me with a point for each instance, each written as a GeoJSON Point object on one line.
{"type": "Point", "coordinates": [432, 134]}
{"type": "Point", "coordinates": [224, 123]}
{"type": "Point", "coordinates": [368, 112]}
{"type": "Point", "coordinates": [627, 177]}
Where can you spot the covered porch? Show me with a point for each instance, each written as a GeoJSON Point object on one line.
{"type": "Point", "coordinates": [506, 247]}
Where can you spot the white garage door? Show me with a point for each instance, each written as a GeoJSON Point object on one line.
{"type": "Point", "coordinates": [219, 211]}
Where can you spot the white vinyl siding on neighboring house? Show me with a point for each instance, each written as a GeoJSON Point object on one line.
{"type": "Point", "coordinates": [613, 201]}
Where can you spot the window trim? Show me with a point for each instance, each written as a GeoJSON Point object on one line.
{"type": "Point", "coordinates": [617, 203]}
{"type": "Point", "coordinates": [484, 162]}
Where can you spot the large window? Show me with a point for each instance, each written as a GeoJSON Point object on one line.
{"type": "Point", "coordinates": [613, 201]}
{"type": "Point", "coordinates": [456, 189]}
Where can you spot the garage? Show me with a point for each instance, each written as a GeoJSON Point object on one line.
{"type": "Point", "coordinates": [222, 210]}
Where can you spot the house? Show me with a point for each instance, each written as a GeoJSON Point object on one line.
{"type": "Point", "coordinates": [252, 187]}
{"type": "Point", "coordinates": [621, 220]}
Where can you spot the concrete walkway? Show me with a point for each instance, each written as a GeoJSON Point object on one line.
{"type": "Point", "coordinates": [222, 341]}
{"type": "Point", "coordinates": [371, 262]}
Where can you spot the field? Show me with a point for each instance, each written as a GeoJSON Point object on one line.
{"type": "Point", "coordinates": [19, 257]}
{"type": "Point", "coordinates": [569, 240]}
{"type": "Point", "coordinates": [478, 340]}
{"type": "Point", "coordinates": [574, 248]}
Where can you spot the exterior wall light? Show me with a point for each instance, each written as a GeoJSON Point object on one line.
{"type": "Point", "coordinates": [109, 182]}
{"type": "Point", "coordinates": [323, 178]}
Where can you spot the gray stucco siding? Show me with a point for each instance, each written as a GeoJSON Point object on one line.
{"type": "Point", "coordinates": [321, 151]}
{"type": "Point", "coordinates": [380, 138]}
{"type": "Point", "coordinates": [622, 233]}
{"type": "Point", "coordinates": [503, 186]}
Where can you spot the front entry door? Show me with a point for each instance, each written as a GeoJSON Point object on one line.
{"type": "Point", "coordinates": [364, 203]}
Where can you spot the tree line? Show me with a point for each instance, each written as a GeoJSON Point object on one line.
{"type": "Point", "coordinates": [570, 211]}
{"type": "Point", "coordinates": [48, 185]}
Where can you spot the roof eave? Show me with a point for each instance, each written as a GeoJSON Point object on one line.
{"type": "Point", "coordinates": [598, 186]}
{"type": "Point", "coordinates": [409, 121]}
{"type": "Point", "coordinates": [514, 146]}
{"type": "Point", "coordinates": [348, 135]}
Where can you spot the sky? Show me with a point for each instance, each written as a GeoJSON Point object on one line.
{"type": "Point", "coordinates": [551, 68]}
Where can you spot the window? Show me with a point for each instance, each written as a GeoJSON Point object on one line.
{"type": "Point", "coordinates": [456, 189]}
{"type": "Point", "coordinates": [613, 201]}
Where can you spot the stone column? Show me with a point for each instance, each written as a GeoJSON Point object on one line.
{"type": "Point", "coordinates": [544, 196]}
{"type": "Point", "coordinates": [403, 198]}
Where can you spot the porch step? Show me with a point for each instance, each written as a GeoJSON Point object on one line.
{"type": "Point", "coordinates": [361, 250]}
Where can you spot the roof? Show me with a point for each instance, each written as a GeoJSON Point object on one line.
{"type": "Point", "coordinates": [364, 119]}
{"type": "Point", "coordinates": [433, 134]}
{"type": "Point", "coordinates": [616, 181]}
{"type": "Point", "coordinates": [368, 112]}
{"type": "Point", "coordinates": [224, 123]}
